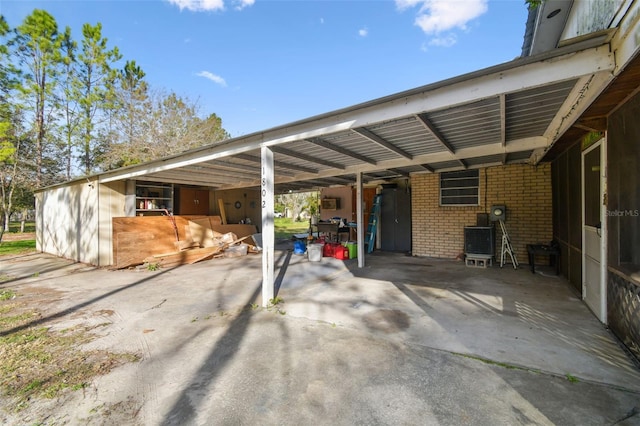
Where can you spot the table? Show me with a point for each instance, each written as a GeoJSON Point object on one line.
{"type": "Point", "coordinates": [332, 229]}
{"type": "Point", "coordinates": [553, 252]}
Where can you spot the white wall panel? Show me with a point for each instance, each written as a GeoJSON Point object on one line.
{"type": "Point", "coordinates": [67, 221]}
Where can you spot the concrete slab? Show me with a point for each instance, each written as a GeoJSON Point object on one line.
{"type": "Point", "coordinates": [402, 341]}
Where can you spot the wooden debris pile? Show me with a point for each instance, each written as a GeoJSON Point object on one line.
{"type": "Point", "coordinates": [180, 240]}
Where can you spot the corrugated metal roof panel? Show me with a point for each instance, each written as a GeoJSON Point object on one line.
{"type": "Point", "coordinates": [529, 112]}
{"type": "Point", "coordinates": [469, 125]}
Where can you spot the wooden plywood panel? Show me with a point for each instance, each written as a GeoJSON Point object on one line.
{"type": "Point", "coordinates": [136, 238]}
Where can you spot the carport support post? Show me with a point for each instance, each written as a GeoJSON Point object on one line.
{"type": "Point", "coordinates": [359, 220]}
{"type": "Point", "coordinates": [268, 238]}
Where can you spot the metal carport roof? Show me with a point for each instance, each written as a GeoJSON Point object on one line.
{"type": "Point", "coordinates": [509, 113]}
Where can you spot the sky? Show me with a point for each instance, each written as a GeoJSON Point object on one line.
{"type": "Point", "coordinates": [259, 64]}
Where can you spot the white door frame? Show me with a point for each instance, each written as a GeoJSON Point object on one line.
{"type": "Point", "coordinates": [601, 310]}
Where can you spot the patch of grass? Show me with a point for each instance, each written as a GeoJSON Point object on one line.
{"type": "Point", "coordinates": [274, 304]}
{"type": "Point", "coordinates": [285, 228]}
{"type": "Point", "coordinates": [38, 361]}
{"type": "Point", "coordinates": [17, 247]}
{"type": "Point", "coordinates": [571, 378]}
{"type": "Point", "coordinates": [14, 227]}
{"type": "Point", "coordinates": [7, 294]}
{"type": "Point", "coordinates": [153, 266]}
{"type": "Point", "coordinates": [276, 300]}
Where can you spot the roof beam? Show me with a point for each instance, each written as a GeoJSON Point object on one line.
{"type": "Point", "coordinates": [215, 185]}
{"type": "Point", "coordinates": [586, 90]}
{"type": "Point", "coordinates": [202, 177]}
{"type": "Point", "coordinates": [592, 125]}
{"type": "Point", "coordinates": [427, 167]}
{"type": "Point", "coordinates": [426, 123]}
{"type": "Point", "coordinates": [305, 157]}
{"type": "Point", "coordinates": [399, 172]}
{"type": "Point", "coordinates": [216, 165]}
{"type": "Point", "coordinates": [382, 142]}
{"type": "Point", "coordinates": [463, 153]}
{"type": "Point", "coordinates": [198, 170]}
{"type": "Point", "coordinates": [278, 164]}
{"type": "Point", "coordinates": [341, 150]}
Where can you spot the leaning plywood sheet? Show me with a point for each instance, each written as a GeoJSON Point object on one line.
{"type": "Point", "coordinates": [129, 246]}
{"type": "Point", "coordinates": [157, 234]}
{"type": "Point", "coordinates": [192, 255]}
{"type": "Point", "coordinates": [184, 257]}
{"type": "Point", "coordinates": [141, 236]}
{"type": "Point", "coordinates": [201, 232]}
{"type": "Point", "coordinates": [241, 230]}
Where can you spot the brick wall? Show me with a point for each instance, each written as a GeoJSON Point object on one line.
{"type": "Point", "coordinates": [525, 190]}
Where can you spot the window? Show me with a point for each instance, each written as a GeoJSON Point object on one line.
{"type": "Point", "coordinates": [460, 188]}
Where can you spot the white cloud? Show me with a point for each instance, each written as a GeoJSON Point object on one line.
{"type": "Point", "coordinates": [322, 20]}
{"type": "Point", "coordinates": [437, 16]}
{"type": "Point", "coordinates": [406, 4]}
{"type": "Point", "coordinates": [241, 4]}
{"type": "Point", "coordinates": [199, 5]}
{"type": "Point", "coordinates": [209, 5]}
{"type": "Point", "coordinates": [211, 76]}
{"type": "Point", "coordinates": [363, 32]}
{"type": "Point", "coordinates": [444, 41]}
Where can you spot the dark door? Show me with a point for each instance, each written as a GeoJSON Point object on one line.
{"type": "Point", "coordinates": [395, 220]}
{"type": "Point", "coordinates": [193, 201]}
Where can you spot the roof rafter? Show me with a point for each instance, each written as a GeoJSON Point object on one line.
{"type": "Point", "coordinates": [382, 142]}
{"type": "Point", "coordinates": [424, 120]}
{"type": "Point", "coordinates": [278, 164]}
{"type": "Point", "coordinates": [305, 157]}
{"type": "Point", "coordinates": [341, 150]}
{"type": "Point", "coordinates": [399, 172]}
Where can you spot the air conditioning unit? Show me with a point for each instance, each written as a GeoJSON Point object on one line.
{"type": "Point", "coordinates": [479, 240]}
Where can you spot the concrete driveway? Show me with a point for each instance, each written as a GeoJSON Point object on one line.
{"type": "Point", "coordinates": [403, 341]}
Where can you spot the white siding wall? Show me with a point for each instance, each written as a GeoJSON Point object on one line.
{"type": "Point", "coordinates": [589, 16]}
{"type": "Point", "coordinates": [67, 221]}
{"type": "Point", "coordinates": [111, 204]}
{"type": "Point", "coordinates": [74, 221]}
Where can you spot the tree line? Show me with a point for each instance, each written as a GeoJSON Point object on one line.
{"type": "Point", "coordinates": [73, 107]}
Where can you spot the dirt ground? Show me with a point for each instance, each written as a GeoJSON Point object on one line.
{"type": "Point", "coordinates": [17, 236]}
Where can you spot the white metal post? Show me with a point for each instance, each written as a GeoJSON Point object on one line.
{"type": "Point", "coordinates": [360, 226]}
{"type": "Point", "coordinates": [268, 238]}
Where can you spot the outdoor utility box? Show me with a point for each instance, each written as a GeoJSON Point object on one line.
{"type": "Point", "coordinates": [479, 240]}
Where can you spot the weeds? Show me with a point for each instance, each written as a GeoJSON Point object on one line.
{"type": "Point", "coordinates": [571, 378]}
{"type": "Point", "coordinates": [154, 266]}
{"type": "Point", "coordinates": [7, 294]}
{"type": "Point", "coordinates": [274, 304]}
{"type": "Point", "coordinates": [38, 361]}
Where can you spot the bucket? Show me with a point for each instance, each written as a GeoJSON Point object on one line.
{"type": "Point", "coordinates": [314, 252]}
{"type": "Point", "coordinates": [353, 250]}
{"type": "Point", "coordinates": [299, 247]}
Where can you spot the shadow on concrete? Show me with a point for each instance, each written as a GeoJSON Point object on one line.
{"type": "Point", "coordinates": [282, 270]}
{"type": "Point", "coordinates": [185, 409]}
{"type": "Point", "coordinates": [83, 304]}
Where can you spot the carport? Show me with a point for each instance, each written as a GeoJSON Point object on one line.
{"type": "Point", "coordinates": [507, 114]}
